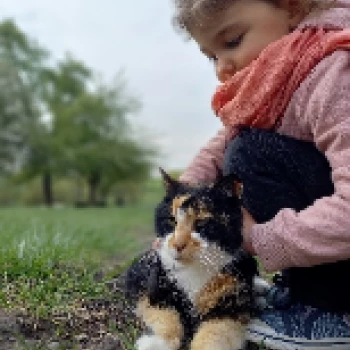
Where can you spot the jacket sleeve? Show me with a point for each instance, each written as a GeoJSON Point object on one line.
{"type": "Point", "coordinates": [206, 165]}
{"type": "Point", "coordinates": [321, 232]}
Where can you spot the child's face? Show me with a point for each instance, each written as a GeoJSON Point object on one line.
{"type": "Point", "coordinates": [235, 37]}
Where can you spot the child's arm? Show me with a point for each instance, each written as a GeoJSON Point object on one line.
{"type": "Point", "coordinates": [321, 232]}
{"type": "Point", "coordinates": [207, 163]}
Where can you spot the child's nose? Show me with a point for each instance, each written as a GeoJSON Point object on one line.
{"type": "Point", "coordinates": [225, 68]}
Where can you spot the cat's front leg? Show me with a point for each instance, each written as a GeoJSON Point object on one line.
{"type": "Point", "coordinates": [219, 334]}
{"type": "Point", "coordinates": [164, 323]}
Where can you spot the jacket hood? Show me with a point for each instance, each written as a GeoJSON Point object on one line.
{"type": "Point", "coordinates": [336, 17]}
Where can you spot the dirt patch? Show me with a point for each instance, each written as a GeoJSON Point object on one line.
{"type": "Point", "coordinates": [98, 324]}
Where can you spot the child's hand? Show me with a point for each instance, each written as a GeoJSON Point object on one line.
{"type": "Point", "coordinates": [248, 223]}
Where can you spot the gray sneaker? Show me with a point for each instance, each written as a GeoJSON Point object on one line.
{"type": "Point", "coordinates": [300, 327]}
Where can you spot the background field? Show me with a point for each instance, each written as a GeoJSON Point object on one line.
{"type": "Point", "coordinates": [79, 235]}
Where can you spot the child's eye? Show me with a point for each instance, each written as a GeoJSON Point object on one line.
{"type": "Point", "coordinates": [212, 58]}
{"type": "Point", "coordinates": [235, 42]}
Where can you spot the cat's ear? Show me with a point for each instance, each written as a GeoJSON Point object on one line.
{"type": "Point", "coordinates": [171, 185]}
{"type": "Point", "coordinates": [230, 185]}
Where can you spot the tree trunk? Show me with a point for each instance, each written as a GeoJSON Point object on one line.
{"type": "Point", "coordinates": [93, 185]}
{"type": "Point", "coordinates": [47, 188]}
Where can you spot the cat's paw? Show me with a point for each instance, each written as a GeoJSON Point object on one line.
{"type": "Point", "coordinates": [261, 289]}
{"type": "Point", "coordinates": [152, 342]}
{"type": "Point", "coordinates": [260, 286]}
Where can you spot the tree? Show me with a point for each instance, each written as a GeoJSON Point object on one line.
{"type": "Point", "coordinates": [59, 121]}
{"type": "Point", "coordinates": [21, 61]}
{"type": "Point", "coordinates": [12, 118]}
{"type": "Point", "coordinates": [47, 151]}
{"type": "Point", "coordinates": [99, 140]}
{"type": "Point", "coordinates": [65, 83]}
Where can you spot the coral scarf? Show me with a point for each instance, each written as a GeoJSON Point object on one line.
{"type": "Point", "coordinates": [258, 94]}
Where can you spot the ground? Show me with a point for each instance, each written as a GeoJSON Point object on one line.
{"type": "Point", "coordinates": [98, 324]}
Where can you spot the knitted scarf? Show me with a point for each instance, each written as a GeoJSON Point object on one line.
{"type": "Point", "coordinates": [258, 94]}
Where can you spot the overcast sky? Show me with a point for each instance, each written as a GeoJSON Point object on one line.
{"type": "Point", "coordinates": [168, 75]}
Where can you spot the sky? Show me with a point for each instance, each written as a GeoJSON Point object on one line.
{"type": "Point", "coordinates": [168, 74]}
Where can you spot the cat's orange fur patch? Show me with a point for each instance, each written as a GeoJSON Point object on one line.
{"type": "Point", "coordinates": [177, 202]}
{"type": "Point", "coordinates": [182, 233]}
{"type": "Point", "coordinates": [219, 334]}
{"type": "Point", "coordinates": [201, 214]}
{"type": "Point", "coordinates": [165, 323]}
{"type": "Point", "coordinates": [219, 286]}
{"type": "Point", "coordinates": [182, 239]}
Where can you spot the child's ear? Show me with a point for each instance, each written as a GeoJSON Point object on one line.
{"type": "Point", "coordinates": [230, 185]}
{"type": "Point", "coordinates": [171, 185]}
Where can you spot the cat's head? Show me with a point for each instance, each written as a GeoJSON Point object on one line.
{"type": "Point", "coordinates": [191, 219]}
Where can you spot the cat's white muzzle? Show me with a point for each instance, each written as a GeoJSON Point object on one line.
{"type": "Point", "coordinates": [176, 258]}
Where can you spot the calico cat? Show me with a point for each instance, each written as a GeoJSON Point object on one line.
{"type": "Point", "coordinates": [194, 288]}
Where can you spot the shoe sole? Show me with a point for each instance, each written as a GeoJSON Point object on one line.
{"type": "Point", "coordinates": [273, 341]}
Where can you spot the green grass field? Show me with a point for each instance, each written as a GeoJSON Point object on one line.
{"type": "Point", "coordinates": [50, 256]}
{"type": "Point", "coordinates": [91, 235]}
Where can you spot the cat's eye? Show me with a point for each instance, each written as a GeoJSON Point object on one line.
{"type": "Point", "coordinates": [172, 221]}
{"type": "Point", "coordinates": [200, 224]}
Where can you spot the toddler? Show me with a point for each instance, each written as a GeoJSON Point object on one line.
{"type": "Point", "coordinates": [284, 65]}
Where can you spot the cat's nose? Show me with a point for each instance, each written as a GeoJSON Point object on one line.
{"type": "Point", "coordinates": [179, 246]}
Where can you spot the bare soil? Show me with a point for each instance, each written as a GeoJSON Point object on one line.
{"type": "Point", "coordinates": [97, 324]}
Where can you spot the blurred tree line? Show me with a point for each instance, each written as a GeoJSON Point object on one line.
{"type": "Point", "coordinates": [58, 121]}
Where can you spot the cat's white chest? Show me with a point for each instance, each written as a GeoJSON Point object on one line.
{"type": "Point", "coordinates": [192, 277]}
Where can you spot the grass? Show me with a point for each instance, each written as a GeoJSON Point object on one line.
{"type": "Point", "coordinates": [44, 244]}
{"type": "Point", "coordinates": [50, 259]}
{"type": "Point", "coordinates": [43, 235]}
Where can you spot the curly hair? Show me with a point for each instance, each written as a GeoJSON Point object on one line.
{"type": "Point", "coordinates": [191, 13]}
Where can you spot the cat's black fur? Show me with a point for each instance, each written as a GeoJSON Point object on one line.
{"type": "Point", "coordinates": [148, 276]}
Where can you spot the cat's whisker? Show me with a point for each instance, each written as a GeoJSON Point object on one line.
{"type": "Point", "coordinates": [208, 261]}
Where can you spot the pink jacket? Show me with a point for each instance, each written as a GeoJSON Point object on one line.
{"type": "Point", "coordinates": [319, 111]}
